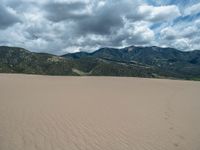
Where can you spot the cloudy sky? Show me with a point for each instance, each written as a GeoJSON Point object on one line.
{"type": "Point", "coordinates": [61, 26]}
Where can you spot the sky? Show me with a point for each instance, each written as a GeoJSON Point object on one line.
{"type": "Point", "coordinates": [67, 26]}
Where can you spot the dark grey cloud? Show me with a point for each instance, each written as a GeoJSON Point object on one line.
{"type": "Point", "coordinates": [103, 22]}
{"type": "Point", "coordinates": [6, 18]}
{"type": "Point", "coordinates": [97, 20]}
{"type": "Point", "coordinates": [61, 11]}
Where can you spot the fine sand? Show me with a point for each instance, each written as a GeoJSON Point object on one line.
{"type": "Point", "coordinates": [98, 113]}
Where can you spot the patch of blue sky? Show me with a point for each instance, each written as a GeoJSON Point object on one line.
{"type": "Point", "coordinates": [180, 3]}
{"type": "Point", "coordinates": [187, 18]}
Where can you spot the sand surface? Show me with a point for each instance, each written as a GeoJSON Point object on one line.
{"type": "Point", "coordinates": [98, 113]}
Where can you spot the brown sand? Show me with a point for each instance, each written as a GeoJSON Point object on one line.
{"type": "Point", "coordinates": [98, 113]}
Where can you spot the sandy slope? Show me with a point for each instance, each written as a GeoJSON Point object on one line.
{"type": "Point", "coordinates": [98, 113]}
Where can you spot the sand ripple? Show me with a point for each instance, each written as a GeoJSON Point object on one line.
{"type": "Point", "coordinates": [98, 113]}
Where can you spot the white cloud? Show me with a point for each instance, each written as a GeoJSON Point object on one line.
{"type": "Point", "coordinates": [159, 13]}
{"type": "Point", "coordinates": [169, 33]}
{"type": "Point", "coordinates": [137, 33]}
{"type": "Point", "coordinates": [170, 37]}
{"type": "Point", "coordinates": [182, 36]}
{"type": "Point", "coordinates": [194, 9]}
{"type": "Point", "coordinates": [182, 44]}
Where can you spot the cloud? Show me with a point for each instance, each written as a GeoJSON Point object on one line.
{"type": "Point", "coordinates": [158, 14]}
{"type": "Point", "coordinates": [194, 9]}
{"type": "Point", "coordinates": [7, 18]}
{"type": "Point", "coordinates": [137, 33]}
{"type": "Point", "coordinates": [61, 26]}
{"type": "Point", "coordinates": [98, 17]}
{"type": "Point", "coordinates": [168, 33]}
{"type": "Point", "coordinates": [182, 44]}
{"type": "Point", "coordinates": [175, 38]}
{"type": "Point", "coordinates": [60, 11]}
{"type": "Point", "coordinates": [102, 22]}
{"type": "Point", "coordinates": [183, 35]}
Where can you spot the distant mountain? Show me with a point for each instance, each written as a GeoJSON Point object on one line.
{"type": "Point", "coordinates": [161, 62]}
{"type": "Point", "coordinates": [154, 62]}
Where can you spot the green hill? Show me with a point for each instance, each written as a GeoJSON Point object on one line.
{"type": "Point", "coordinates": [154, 62]}
{"type": "Point", "coordinates": [18, 60]}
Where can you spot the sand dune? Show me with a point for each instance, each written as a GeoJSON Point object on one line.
{"type": "Point", "coordinates": [98, 113]}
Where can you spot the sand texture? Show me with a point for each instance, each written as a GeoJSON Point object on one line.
{"type": "Point", "coordinates": [98, 113]}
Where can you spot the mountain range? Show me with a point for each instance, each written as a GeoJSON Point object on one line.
{"type": "Point", "coordinates": [151, 62]}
